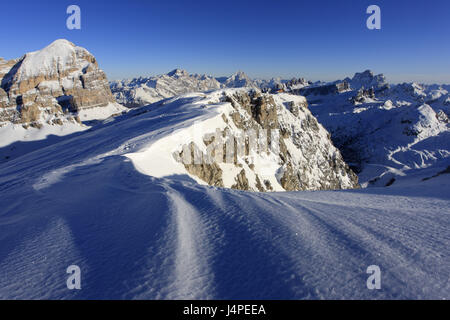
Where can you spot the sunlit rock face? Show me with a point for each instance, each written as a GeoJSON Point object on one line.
{"type": "Point", "coordinates": [265, 142]}
{"type": "Point", "coordinates": [51, 85]}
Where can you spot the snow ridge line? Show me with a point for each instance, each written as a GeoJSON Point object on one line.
{"type": "Point", "coordinates": [192, 276]}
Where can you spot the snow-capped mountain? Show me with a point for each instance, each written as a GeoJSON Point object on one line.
{"type": "Point", "coordinates": [50, 92]}
{"type": "Point", "coordinates": [143, 91]}
{"type": "Point", "coordinates": [386, 132]}
{"type": "Point", "coordinates": [42, 86]}
{"type": "Point", "coordinates": [294, 151]}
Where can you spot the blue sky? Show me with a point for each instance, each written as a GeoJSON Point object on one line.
{"type": "Point", "coordinates": [324, 40]}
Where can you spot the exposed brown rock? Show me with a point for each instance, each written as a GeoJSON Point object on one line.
{"type": "Point", "coordinates": [241, 181]}
{"type": "Point", "coordinates": [78, 84]}
{"type": "Point", "coordinates": [306, 157]}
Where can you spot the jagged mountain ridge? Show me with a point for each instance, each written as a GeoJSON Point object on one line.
{"type": "Point", "coordinates": [142, 91]}
{"type": "Point", "coordinates": [386, 131]}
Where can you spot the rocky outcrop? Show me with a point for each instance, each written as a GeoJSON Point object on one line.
{"type": "Point", "coordinates": [276, 145]}
{"type": "Point", "coordinates": [211, 173]}
{"type": "Point", "coordinates": [363, 95]}
{"type": "Point", "coordinates": [51, 85]}
{"type": "Point", "coordinates": [442, 116]}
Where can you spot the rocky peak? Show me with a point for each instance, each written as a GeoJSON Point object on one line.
{"type": "Point", "coordinates": [367, 80]}
{"type": "Point", "coordinates": [51, 85]}
{"type": "Point", "coordinates": [239, 80]}
{"type": "Point", "coordinates": [178, 73]}
{"type": "Point", "coordinates": [363, 95]}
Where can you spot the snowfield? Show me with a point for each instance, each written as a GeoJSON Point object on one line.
{"type": "Point", "coordinates": [83, 201]}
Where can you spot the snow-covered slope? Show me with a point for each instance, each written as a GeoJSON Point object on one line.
{"type": "Point", "coordinates": [142, 91]}
{"type": "Point", "coordinates": [82, 201]}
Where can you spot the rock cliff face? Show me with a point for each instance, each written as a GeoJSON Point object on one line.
{"type": "Point", "coordinates": [52, 85]}
{"type": "Point", "coordinates": [264, 142]}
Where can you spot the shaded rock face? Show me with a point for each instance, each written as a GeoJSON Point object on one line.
{"type": "Point", "coordinates": [442, 116]}
{"type": "Point", "coordinates": [211, 173]}
{"type": "Point", "coordinates": [326, 89]}
{"type": "Point", "coordinates": [367, 79]}
{"type": "Point", "coordinates": [44, 85]}
{"type": "Point", "coordinates": [299, 154]}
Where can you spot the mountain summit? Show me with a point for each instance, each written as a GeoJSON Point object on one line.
{"type": "Point", "coordinates": [178, 73]}
{"type": "Point", "coordinates": [53, 85]}
{"type": "Point", "coordinates": [368, 80]}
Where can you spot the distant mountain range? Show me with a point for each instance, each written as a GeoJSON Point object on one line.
{"type": "Point", "coordinates": [141, 91]}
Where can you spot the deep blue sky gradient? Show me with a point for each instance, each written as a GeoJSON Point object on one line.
{"type": "Point", "coordinates": [324, 40]}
